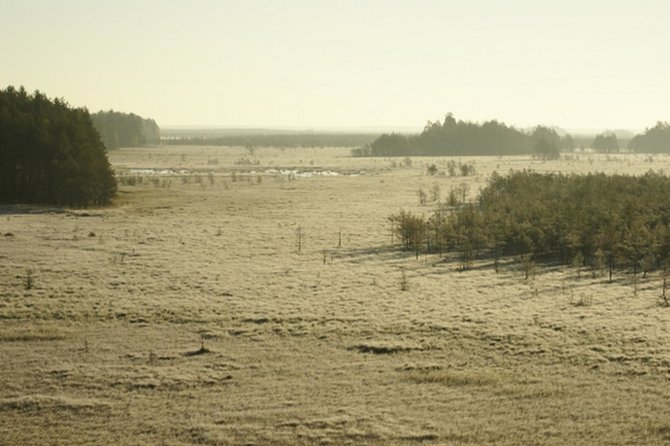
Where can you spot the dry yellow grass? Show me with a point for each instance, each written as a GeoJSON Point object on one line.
{"type": "Point", "coordinates": [314, 347]}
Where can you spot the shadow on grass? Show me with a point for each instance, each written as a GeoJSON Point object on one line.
{"type": "Point", "coordinates": [37, 209]}
{"type": "Point", "coordinates": [388, 252]}
{"type": "Point", "coordinates": [29, 209]}
{"type": "Point", "coordinates": [201, 351]}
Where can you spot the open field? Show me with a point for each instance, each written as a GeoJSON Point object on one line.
{"type": "Point", "coordinates": [184, 314]}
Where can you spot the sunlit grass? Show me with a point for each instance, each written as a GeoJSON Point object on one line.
{"type": "Point", "coordinates": [297, 350]}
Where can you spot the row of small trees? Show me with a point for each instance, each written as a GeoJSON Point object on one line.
{"type": "Point", "coordinates": [50, 153]}
{"type": "Point", "coordinates": [605, 221]}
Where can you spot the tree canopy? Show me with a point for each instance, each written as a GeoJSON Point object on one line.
{"type": "Point", "coordinates": [546, 143]}
{"type": "Point", "coordinates": [125, 129]}
{"type": "Point", "coordinates": [606, 143]}
{"type": "Point", "coordinates": [452, 137]}
{"type": "Point", "coordinates": [653, 140]}
{"type": "Point", "coordinates": [605, 220]}
{"type": "Point", "coordinates": [50, 153]}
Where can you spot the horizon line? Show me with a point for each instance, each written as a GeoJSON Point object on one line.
{"type": "Point", "coordinates": [375, 128]}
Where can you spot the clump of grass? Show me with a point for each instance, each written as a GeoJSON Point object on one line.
{"type": "Point", "coordinates": [452, 378]}
{"type": "Point", "coordinates": [541, 390]}
{"type": "Point", "coordinates": [29, 334]}
{"type": "Point", "coordinates": [118, 259]}
{"type": "Point", "coordinates": [583, 301]}
{"type": "Point", "coordinates": [379, 349]}
{"type": "Point", "coordinates": [50, 403]}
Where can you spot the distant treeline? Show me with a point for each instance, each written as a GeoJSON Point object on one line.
{"type": "Point", "coordinates": [50, 153]}
{"type": "Point", "coordinates": [461, 138]}
{"type": "Point", "coordinates": [606, 142]}
{"type": "Point", "coordinates": [453, 137]}
{"type": "Point", "coordinates": [125, 129]}
{"type": "Point", "coordinates": [605, 221]}
{"type": "Point", "coordinates": [653, 140]}
{"type": "Point", "coordinates": [289, 140]}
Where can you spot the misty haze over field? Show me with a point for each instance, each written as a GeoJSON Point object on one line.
{"type": "Point", "coordinates": [591, 65]}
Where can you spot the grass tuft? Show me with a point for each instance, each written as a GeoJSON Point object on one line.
{"type": "Point", "coordinates": [453, 378]}
{"type": "Point", "coordinates": [379, 349]}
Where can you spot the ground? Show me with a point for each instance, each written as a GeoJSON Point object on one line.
{"type": "Point", "coordinates": [187, 313]}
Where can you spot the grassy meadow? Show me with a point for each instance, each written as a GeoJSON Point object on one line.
{"type": "Point", "coordinates": [238, 298]}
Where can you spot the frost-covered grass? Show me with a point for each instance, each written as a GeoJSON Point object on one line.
{"type": "Point", "coordinates": [320, 346]}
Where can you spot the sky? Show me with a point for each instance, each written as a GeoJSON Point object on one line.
{"type": "Point", "coordinates": [319, 64]}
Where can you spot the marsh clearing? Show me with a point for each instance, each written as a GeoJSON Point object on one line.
{"type": "Point", "coordinates": [187, 314]}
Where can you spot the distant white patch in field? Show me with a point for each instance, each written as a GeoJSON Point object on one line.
{"type": "Point", "coordinates": [310, 173]}
{"type": "Point", "coordinates": [303, 173]}
{"type": "Point", "coordinates": [157, 171]}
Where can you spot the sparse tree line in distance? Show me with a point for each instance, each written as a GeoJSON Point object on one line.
{"type": "Point", "coordinates": [448, 138]}
{"type": "Point", "coordinates": [50, 153]}
{"type": "Point", "coordinates": [287, 140]}
{"type": "Point", "coordinates": [462, 138]}
{"type": "Point", "coordinates": [603, 221]}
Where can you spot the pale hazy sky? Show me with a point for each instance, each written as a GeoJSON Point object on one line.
{"type": "Point", "coordinates": [347, 63]}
